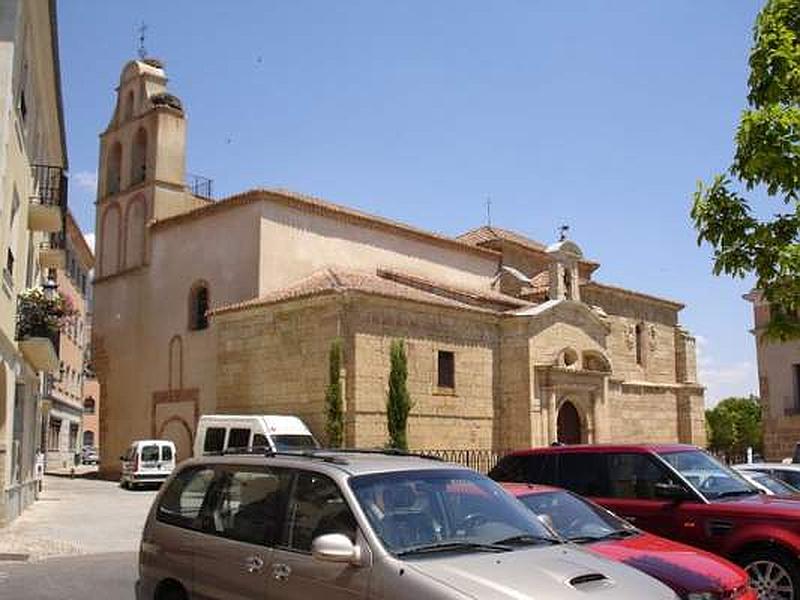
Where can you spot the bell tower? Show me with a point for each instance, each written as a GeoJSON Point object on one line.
{"type": "Point", "coordinates": [142, 170]}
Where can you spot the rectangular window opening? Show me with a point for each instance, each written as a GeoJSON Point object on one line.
{"type": "Point", "coordinates": [446, 371]}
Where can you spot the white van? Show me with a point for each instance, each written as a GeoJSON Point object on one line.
{"type": "Point", "coordinates": [280, 433]}
{"type": "Point", "coordinates": [147, 461]}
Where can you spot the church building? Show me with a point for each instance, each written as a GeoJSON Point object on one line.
{"type": "Point", "coordinates": [232, 305]}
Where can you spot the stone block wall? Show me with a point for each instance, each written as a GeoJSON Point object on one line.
{"type": "Point", "coordinates": [781, 434]}
{"type": "Point", "coordinates": [461, 418]}
{"type": "Point", "coordinates": [274, 360]}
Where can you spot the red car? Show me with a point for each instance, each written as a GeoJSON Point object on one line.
{"type": "Point", "coordinates": [693, 574]}
{"type": "Point", "coordinates": [682, 493]}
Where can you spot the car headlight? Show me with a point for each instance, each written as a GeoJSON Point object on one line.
{"type": "Point", "coordinates": [703, 596]}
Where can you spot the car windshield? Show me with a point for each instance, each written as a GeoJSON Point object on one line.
{"type": "Point", "coordinates": [574, 518]}
{"type": "Point", "coordinates": [288, 443]}
{"type": "Point", "coordinates": [416, 512]}
{"type": "Point", "coordinates": [710, 477]}
{"type": "Point", "coordinates": [776, 486]}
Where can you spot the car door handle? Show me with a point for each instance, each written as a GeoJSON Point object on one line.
{"type": "Point", "coordinates": [254, 564]}
{"type": "Point", "coordinates": [281, 571]}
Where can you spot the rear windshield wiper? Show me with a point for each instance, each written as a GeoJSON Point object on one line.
{"type": "Point", "coordinates": [452, 547]}
{"type": "Point", "coordinates": [529, 539]}
{"type": "Point", "coordinates": [617, 534]}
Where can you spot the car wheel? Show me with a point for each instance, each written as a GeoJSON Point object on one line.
{"type": "Point", "coordinates": [171, 592]}
{"type": "Point", "coordinates": [773, 574]}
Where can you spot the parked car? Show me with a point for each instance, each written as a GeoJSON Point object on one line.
{"type": "Point", "coordinates": [219, 433]}
{"type": "Point", "coordinates": [681, 493]}
{"type": "Point", "coordinates": [692, 573]}
{"type": "Point", "coordinates": [766, 483]}
{"type": "Point", "coordinates": [147, 462]}
{"type": "Point", "coordinates": [89, 455]}
{"type": "Point", "coordinates": [342, 525]}
{"type": "Point", "coordinates": [787, 472]}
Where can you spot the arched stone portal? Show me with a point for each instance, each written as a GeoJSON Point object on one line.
{"type": "Point", "coordinates": [569, 424]}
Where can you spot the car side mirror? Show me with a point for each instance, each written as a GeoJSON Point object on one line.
{"type": "Point", "coordinates": [670, 491]}
{"type": "Point", "coordinates": [335, 547]}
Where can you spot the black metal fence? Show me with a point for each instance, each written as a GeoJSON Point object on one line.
{"type": "Point", "coordinates": [49, 185]}
{"type": "Point", "coordinates": [200, 186]}
{"type": "Point", "coordinates": [480, 459]}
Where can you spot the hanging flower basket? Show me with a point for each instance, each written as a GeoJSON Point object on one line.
{"type": "Point", "coordinates": [42, 315]}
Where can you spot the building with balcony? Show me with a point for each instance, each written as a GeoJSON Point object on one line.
{"type": "Point", "coordinates": [63, 402]}
{"type": "Point", "coordinates": [33, 163]}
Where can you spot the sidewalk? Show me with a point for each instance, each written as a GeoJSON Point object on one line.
{"type": "Point", "coordinates": [77, 516]}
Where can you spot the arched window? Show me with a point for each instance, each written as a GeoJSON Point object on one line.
{"type": "Point", "coordinates": [88, 406]}
{"type": "Point", "coordinates": [567, 283]}
{"type": "Point", "coordinates": [109, 240]}
{"type": "Point", "coordinates": [639, 341]}
{"type": "Point", "coordinates": [88, 438]}
{"type": "Point", "coordinates": [114, 169]}
{"type": "Point", "coordinates": [139, 157]}
{"type": "Point", "coordinates": [198, 306]}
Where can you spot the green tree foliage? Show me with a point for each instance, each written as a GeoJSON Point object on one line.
{"type": "Point", "coordinates": [768, 158]}
{"type": "Point", "coordinates": [334, 409]}
{"type": "Point", "coordinates": [734, 424]}
{"type": "Point", "coordinates": [398, 402]}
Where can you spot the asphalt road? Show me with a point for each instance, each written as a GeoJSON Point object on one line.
{"type": "Point", "coordinates": [109, 576]}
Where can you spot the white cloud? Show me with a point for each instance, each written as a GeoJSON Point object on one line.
{"type": "Point", "coordinates": [89, 237]}
{"type": "Point", "coordinates": [86, 180]}
{"type": "Point", "coordinates": [723, 379]}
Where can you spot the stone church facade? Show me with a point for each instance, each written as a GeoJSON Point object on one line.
{"type": "Point", "coordinates": [231, 306]}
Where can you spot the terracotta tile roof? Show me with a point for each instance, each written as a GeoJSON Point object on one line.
{"type": "Point", "coordinates": [487, 233]}
{"type": "Point", "coordinates": [627, 292]}
{"type": "Point", "coordinates": [323, 207]}
{"type": "Point", "coordinates": [469, 296]}
{"type": "Point", "coordinates": [335, 280]}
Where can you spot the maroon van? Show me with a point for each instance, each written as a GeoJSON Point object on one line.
{"type": "Point", "coordinates": [682, 493]}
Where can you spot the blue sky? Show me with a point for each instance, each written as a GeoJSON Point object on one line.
{"type": "Point", "coordinates": [599, 114]}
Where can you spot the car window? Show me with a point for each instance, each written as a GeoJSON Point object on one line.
{"type": "Point", "coordinates": [249, 505]}
{"type": "Point", "coordinates": [317, 507]}
{"type": "Point", "coordinates": [183, 499]}
{"type": "Point", "coordinates": [166, 453]}
{"type": "Point", "coordinates": [790, 477]}
{"type": "Point", "coordinates": [410, 510]}
{"type": "Point", "coordinates": [149, 453]}
{"type": "Point", "coordinates": [531, 468]}
{"type": "Point", "coordinates": [215, 439]}
{"type": "Point", "coordinates": [239, 438]}
{"type": "Point", "coordinates": [573, 517]}
{"type": "Point", "coordinates": [635, 476]}
{"type": "Point", "coordinates": [288, 443]}
{"type": "Point", "coordinates": [260, 441]}
{"type": "Point", "coordinates": [585, 473]}
{"type": "Point", "coordinates": [709, 476]}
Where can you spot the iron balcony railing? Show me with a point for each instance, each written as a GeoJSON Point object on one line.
{"type": "Point", "coordinates": [55, 241]}
{"type": "Point", "coordinates": [49, 186]}
{"type": "Point", "coordinates": [200, 186]}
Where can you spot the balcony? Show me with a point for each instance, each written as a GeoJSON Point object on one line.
{"type": "Point", "coordinates": [52, 253]}
{"type": "Point", "coordinates": [48, 204]}
{"type": "Point", "coordinates": [40, 316]}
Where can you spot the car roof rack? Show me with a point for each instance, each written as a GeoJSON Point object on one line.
{"type": "Point", "coordinates": [331, 455]}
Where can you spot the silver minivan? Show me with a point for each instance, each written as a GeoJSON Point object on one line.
{"type": "Point", "coordinates": [344, 525]}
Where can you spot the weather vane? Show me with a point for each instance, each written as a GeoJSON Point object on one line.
{"type": "Point", "coordinates": [562, 232]}
{"type": "Point", "coordinates": [142, 50]}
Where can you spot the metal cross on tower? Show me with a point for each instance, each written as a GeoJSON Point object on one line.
{"type": "Point", "coordinates": [562, 232]}
{"type": "Point", "coordinates": [142, 50]}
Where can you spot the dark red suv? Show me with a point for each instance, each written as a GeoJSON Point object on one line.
{"type": "Point", "coordinates": [679, 492]}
